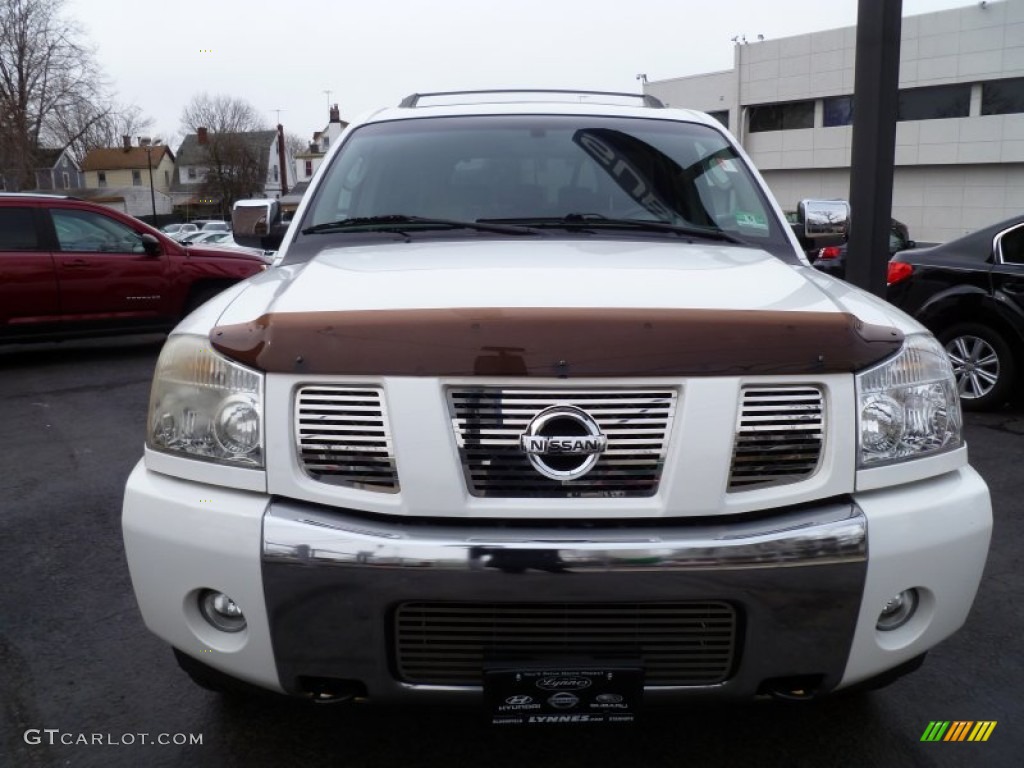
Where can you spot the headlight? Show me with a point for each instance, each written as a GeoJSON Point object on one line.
{"type": "Point", "coordinates": [908, 405]}
{"type": "Point", "coordinates": [205, 406]}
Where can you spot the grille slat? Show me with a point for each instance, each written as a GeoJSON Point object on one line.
{"type": "Point", "coordinates": [488, 423]}
{"type": "Point", "coordinates": [780, 435]}
{"type": "Point", "coordinates": [343, 437]}
{"type": "Point", "coordinates": [691, 643]}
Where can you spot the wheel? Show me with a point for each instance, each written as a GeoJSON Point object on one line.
{"type": "Point", "coordinates": [982, 363]}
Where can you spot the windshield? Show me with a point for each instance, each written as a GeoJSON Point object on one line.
{"type": "Point", "coordinates": [541, 169]}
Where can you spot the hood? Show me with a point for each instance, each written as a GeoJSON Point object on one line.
{"type": "Point", "coordinates": [556, 307]}
{"type": "Point", "coordinates": [529, 273]}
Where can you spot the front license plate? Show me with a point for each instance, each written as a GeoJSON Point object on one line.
{"type": "Point", "coordinates": [563, 695]}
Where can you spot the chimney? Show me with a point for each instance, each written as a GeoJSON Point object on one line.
{"type": "Point", "coordinates": [202, 137]}
{"type": "Point", "coordinates": [127, 142]}
{"type": "Point", "coordinates": [335, 114]}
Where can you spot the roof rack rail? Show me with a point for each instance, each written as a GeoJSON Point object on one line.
{"type": "Point", "coordinates": [5, 193]}
{"type": "Point", "coordinates": [412, 100]}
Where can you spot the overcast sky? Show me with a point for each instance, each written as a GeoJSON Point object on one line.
{"type": "Point", "coordinates": [281, 55]}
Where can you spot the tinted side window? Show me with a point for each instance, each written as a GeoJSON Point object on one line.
{"type": "Point", "coordinates": [1012, 246]}
{"type": "Point", "coordinates": [88, 231]}
{"type": "Point", "coordinates": [18, 230]}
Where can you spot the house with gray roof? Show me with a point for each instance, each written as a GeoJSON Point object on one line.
{"type": "Point", "coordinates": [55, 171]}
{"type": "Point", "coordinates": [212, 170]}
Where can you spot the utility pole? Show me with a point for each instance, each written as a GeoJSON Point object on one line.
{"type": "Point", "coordinates": [875, 101]}
{"type": "Point", "coordinates": [152, 194]}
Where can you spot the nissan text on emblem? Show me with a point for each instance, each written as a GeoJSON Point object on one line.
{"type": "Point", "coordinates": [563, 442]}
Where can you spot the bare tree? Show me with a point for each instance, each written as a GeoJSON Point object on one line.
{"type": "Point", "coordinates": [110, 130]}
{"type": "Point", "coordinates": [221, 114]}
{"type": "Point", "coordinates": [51, 90]}
{"type": "Point", "coordinates": [295, 144]}
{"type": "Point", "coordinates": [236, 160]}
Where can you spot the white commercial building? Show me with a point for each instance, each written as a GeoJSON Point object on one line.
{"type": "Point", "coordinates": [960, 135]}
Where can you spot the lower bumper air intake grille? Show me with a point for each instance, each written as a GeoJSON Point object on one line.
{"type": "Point", "coordinates": [689, 643]}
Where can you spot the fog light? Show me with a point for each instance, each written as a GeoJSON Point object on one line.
{"type": "Point", "coordinates": [897, 610]}
{"type": "Point", "coordinates": [221, 611]}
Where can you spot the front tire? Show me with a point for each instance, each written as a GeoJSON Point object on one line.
{"type": "Point", "coordinates": [983, 364]}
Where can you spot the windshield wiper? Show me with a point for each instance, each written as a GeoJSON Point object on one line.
{"type": "Point", "coordinates": [399, 222]}
{"type": "Point", "coordinates": [597, 221]}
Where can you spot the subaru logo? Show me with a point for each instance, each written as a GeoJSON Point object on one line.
{"type": "Point", "coordinates": [563, 442]}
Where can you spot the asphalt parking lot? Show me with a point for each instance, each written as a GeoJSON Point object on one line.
{"type": "Point", "coordinates": [76, 661]}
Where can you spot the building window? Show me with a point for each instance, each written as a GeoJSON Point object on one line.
{"type": "Point", "coordinates": [837, 110]}
{"type": "Point", "coordinates": [721, 116]}
{"type": "Point", "coordinates": [934, 102]}
{"type": "Point", "coordinates": [67, 180]}
{"type": "Point", "coordinates": [102, 176]}
{"type": "Point", "coordinates": [191, 172]}
{"type": "Point", "coordinates": [136, 178]}
{"type": "Point", "coordinates": [167, 178]}
{"type": "Point", "coordinates": [782, 117]}
{"type": "Point", "coordinates": [1002, 97]}
{"type": "Point", "coordinates": [309, 168]}
{"type": "Point", "coordinates": [275, 173]}
{"type": "Point", "coordinates": [327, 142]}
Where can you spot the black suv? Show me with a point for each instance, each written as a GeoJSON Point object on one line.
{"type": "Point", "coordinates": [970, 293]}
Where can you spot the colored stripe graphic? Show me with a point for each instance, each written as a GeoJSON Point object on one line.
{"type": "Point", "coordinates": [958, 730]}
{"type": "Point", "coordinates": [935, 731]}
{"type": "Point", "coordinates": [982, 730]}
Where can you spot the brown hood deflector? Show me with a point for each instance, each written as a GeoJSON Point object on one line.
{"type": "Point", "coordinates": [566, 343]}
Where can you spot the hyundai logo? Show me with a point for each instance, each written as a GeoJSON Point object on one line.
{"type": "Point", "coordinates": [563, 442]}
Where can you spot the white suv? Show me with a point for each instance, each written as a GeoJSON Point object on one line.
{"type": "Point", "coordinates": [544, 408]}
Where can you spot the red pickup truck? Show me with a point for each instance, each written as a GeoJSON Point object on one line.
{"type": "Point", "coordinates": [69, 267]}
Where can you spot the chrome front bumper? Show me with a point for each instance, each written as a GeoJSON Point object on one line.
{"type": "Point", "coordinates": [333, 581]}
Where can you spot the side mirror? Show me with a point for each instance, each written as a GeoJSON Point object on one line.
{"type": "Point", "coordinates": [151, 245]}
{"type": "Point", "coordinates": [824, 218]}
{"type": "Point", "coordinates": [257, 224]}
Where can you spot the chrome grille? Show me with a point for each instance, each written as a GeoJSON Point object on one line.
{"type": "Point", "coordinates": [686, 643]}
{"type": "Point", "coordinates": [343, 437]}
{"type": "Point", "coordinates": [488, 423]}
{"type": "Point", "coordinates": [779, 437]}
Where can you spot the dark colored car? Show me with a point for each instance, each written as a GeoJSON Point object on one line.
{"type": "Point", "coordinates": [970, 293]}
{"type": "Point", "coordinates": [832, 258]}
{"type": "Point", "coordinates": [69, 267]}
